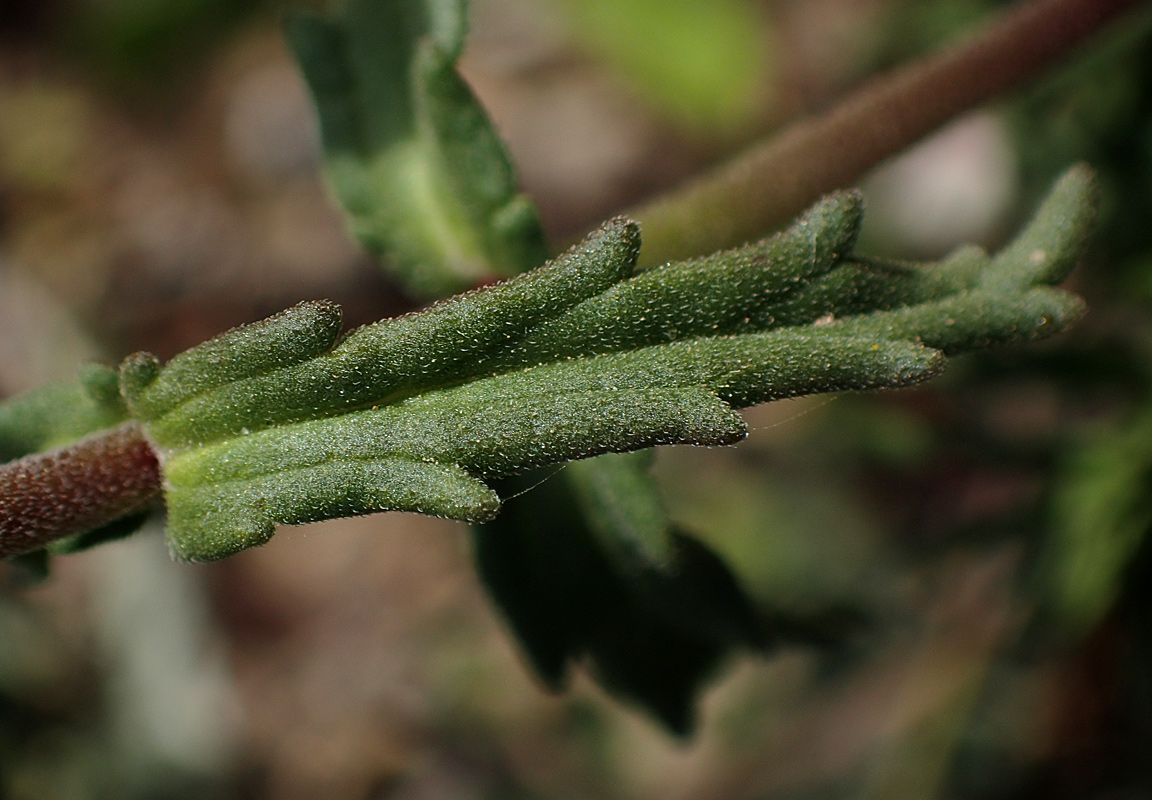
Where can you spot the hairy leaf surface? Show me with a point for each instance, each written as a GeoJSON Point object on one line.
{"type": "Point", "coordinates": [60, 413]}
{"type": "Point", "coordinates": [281, 422]}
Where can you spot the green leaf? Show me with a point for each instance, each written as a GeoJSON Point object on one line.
{"type": "Point", "coordinates": [277, 423]}
{"type": "Point", "coordinates": [61, 413]}
{"type": "Point", "coordinates": [410, 153]}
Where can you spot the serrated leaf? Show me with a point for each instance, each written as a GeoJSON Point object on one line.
{"type": "Point", "coordinates": [410, 153]}
{"type": "Point", "coordinates": [571, 360]}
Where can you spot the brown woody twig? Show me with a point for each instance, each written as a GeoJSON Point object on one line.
{"type": "Point", "coordinates": [79, 488]}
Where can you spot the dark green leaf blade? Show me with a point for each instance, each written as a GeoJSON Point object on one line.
{"type": "Point", "coordinates": [571, 601]}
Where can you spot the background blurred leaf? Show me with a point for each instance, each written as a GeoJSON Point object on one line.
{"type": "Point", "coordinates": [600, 574]}
{"type": "Point", "coordinates": [140, 41]}
{"type": "Point", "coordinates": [410, 153]}
{"type": "Point", "coordinates": [1101, 514]}
{"type": "Point", "coordinates": [702, 62]}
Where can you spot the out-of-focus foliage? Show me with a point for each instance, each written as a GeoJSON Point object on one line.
{"type": "Point", "coordinates": [411, 155]}
{"type": "Point", "coordinates": [909, 27]}
{"type": "Point", "coordinates": [1102, 107]}
{"type": "Point", "coordinates": [1101, 514]}
{"type": "Point", "coordinates": [140, 41]}
{"type": "Point", "coordinates": [1062, 436]}
{"type": "Point", "coordinates": [704, 62]}
{"type": "Point", "coordinates": [1098, 108]}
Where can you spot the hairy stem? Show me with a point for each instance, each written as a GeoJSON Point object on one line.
{"type": "Point", "coordinates": [771, 182]}
{"type": "Point", "coordinates": [76, 489]}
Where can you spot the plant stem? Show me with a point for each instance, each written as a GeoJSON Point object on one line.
{"type": "Point", "coordinates": [76, 489]}
{"type": "Point", "coordinates": [773, 181]}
